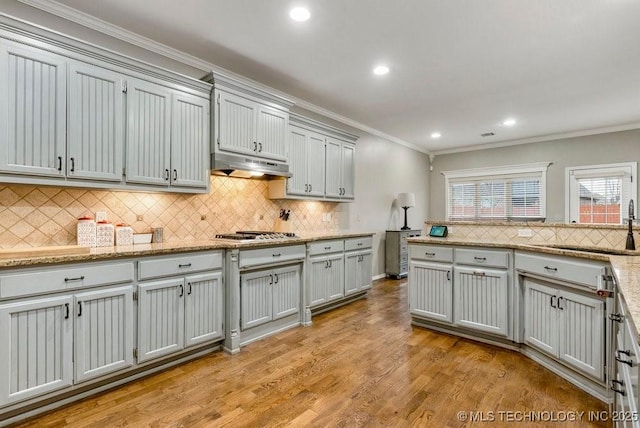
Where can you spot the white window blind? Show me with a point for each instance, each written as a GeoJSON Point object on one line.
{"type": "Point", "coordinates": [504, 193]}
{"type": "Point", "coordinates": [600, 194]}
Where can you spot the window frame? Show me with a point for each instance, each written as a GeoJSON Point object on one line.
{"type": "Point", "coordinates": [495, 173]}
{"type": "Point", "coordinates": [599, 170]}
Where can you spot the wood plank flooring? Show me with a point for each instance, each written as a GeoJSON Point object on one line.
{"type": "Point", "coordinates": [360, 365]}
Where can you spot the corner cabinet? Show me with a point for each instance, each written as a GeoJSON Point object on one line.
{"type": "Point", "coordinates": [322, 163]}
{"type": "Point", "coordinates": [72, 114]}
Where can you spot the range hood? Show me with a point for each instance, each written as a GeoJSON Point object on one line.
{"type": "Point", "coordinates": [233, 165]}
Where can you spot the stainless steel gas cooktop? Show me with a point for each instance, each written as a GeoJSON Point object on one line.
{"type": "Point", "coordinates": [248, 235]}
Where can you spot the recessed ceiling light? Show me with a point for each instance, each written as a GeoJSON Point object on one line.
{"type": "Point", "coordinates": [380, 70]}
{"type": "Point", "coordinates": [436, 135]}
{"type": "Point", "coordinates": [509, 122]}
{"type": "Point", "coordinates": [300, 14]}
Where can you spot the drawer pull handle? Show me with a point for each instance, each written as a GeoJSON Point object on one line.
{"type": "Point", "coordinates": [480, 259]}
{"type": "Point", "coordinates": [622, 360]}
{"type": "Point", "coordinates": [80, 309]}
{"type": "Point", "coordinates": [478, 273]}
{"type": "Point", "coordinates": [616, 317]}
{"type": "Point", "coordinates": [276, 255]}
{"type": "Point", "coordinates": [79, 278]}
{"type": "Point", "coordinates": [186, 265]}
{"type": "Point", "coordinates": [613, 388]}
{"type": "Point", "coordinates": [66, 307]}
{"type": "Point", "coordinates": [552, 269]}
{"type": "Point", "coordinates": [360, 244]}
{"type": "Point", "coordinates": [327, 248]}
{"type": "Point", "coordinates": [430, 254]}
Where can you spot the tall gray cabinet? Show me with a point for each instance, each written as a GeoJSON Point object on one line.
{"type": "Point", "coordinates": [397, 252]}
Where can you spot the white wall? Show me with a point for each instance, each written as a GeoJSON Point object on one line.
{"type": "Point", "coordinates": [623, 146]}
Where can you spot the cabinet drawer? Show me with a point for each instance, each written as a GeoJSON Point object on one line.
{"type": "Point", "coordinates": [431, 253]}
{"type": "Point", "coordinates": [179, 265]}
{"type": "Point", "coordinates": [563, 268]}
{"type": "Point", "coordinates": [358, 243]}
{"type": "Point", "coordinates": [49, 280]}
{"type": "Point", "coordinates": [264, 256]}
{"type": "Point", "coordinates": [326, 247]}
{"type": "Point", "coordinates": [473, 257]}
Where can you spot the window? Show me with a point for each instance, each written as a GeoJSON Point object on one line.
{"type": "Point", "coordinates": [500, 193]}
{"type": "Point", "coordinates": [600, 194]}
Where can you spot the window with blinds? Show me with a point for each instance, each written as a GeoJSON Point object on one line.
{"type": "Point", "coordinates": [600, 194]}
{"type": "Point", "coordinates": [503, 193]}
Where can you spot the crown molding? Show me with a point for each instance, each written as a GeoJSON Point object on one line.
{"type": "Point", "coordinates": [539, 139]}
{"type": "Point", "coordinates": [104, 27]}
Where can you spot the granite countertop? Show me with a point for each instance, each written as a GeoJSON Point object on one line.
{"type": "Point", "coordinates": [625, 263]}
{"type": "Point", "coordinates": [173, 247]}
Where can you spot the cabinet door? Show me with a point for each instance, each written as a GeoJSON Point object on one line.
{"type": "Point", "coordinates": [96, 137]}
{"type": "Point", "coordinates": [333, 179]}
{"type": "Point", "coordinates": [148, 133]}
{"type": "Point", "coordinates": [298, 146]}
{"type": "Point", "coordinates": [160, 318]}
{"type": "Point", "coordinates": [348, 171]}
{"type": "Point", "coordinates": [581, 331]}
{"type": "Point", "coordinates": [335, 277]}
{"type": "Point", "coordinates": [32, 111]}
{"type": "Point", "coordinates": [540, 316]}
{"type": "Point", "coordinates": [255, 299]}
{"type": "Point", "coordinates": [365, 275]}
{"type": "Point", "coordinates": [430, 291]}
{"type": "Point", "coordinates": [481, 297]}
{"type": "Point", "coordinates": [351, 274]}
{"type": "Point", "coordinates": [315, 165]}
{"type": "Point", "coordinates": [286, 291]}
{"type": "Point", "coordinates": [272, 133]}
{"type": "Point", "coordinates": [35, 348]}
{"type": "Point", "coordinates": [189, 141]}
{"type": "Point", "coordinates": [318, 281]}
{"type": "Point", "coordinates": [103, 332]}
{"type": "Point", "coordinates": [236, 124]}
{"type": "Point", "coordinates": [204, 308]}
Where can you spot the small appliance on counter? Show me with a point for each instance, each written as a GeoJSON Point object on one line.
{"type": "Point", "coordinates": [252, 235]}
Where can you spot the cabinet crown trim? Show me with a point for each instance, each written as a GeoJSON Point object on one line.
{"type": "Point", "coordinates": [222, 81]}
{"type": "Point", "coordinates": [322, 128]}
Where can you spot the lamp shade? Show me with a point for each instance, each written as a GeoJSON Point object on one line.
{"type": "Point", "coordinates": [406, 200]}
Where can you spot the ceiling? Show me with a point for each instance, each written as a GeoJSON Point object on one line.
{"type": "Point", "coordinates": [459, 67]}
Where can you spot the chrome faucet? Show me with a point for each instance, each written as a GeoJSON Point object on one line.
{"type": "Point", "coordinates": [631, 245]}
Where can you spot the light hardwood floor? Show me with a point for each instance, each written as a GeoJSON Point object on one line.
{"type": "Point", "coordinates": [360, 365]}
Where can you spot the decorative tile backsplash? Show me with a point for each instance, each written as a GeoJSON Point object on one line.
{"type": "Point", "coordinates": [611, 236]}
{"type": "Point", "coordinates": [32, 216]}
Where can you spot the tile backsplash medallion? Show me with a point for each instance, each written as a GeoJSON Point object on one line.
{"type": "Point", "coordinates": [33, 216]}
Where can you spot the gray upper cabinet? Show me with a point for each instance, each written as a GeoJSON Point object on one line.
{"type": "Point", "coordinates": [322, 162]}
{"type": "Point", "coordinates": [190, 141]}
{"type": "Point", "coordinates": [32, 111]}
{"type": "Point", "coordinates": [248, 120]}
{"type": "Point", "coordinates": [73, 114]}
{"type": "Point", "coordinates": [96, 113]}
{"type": "Point", "coordinates": [148, 133]}
{"type": "Point", "coordinates": [340, 169]}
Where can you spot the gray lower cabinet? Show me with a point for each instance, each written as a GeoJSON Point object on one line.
{"type": "Point", "coordinates": [357, 271]}
{"type": "Point", "coordinates": [51, 341]}
{"type": "Point", "coordinates": [179, 312]}
{"type": "Point", "coordinates": [326, 279]}
{"type": "Point", "coordinates": [566, 325]}
{"type": "Point", "coordinates": [268, 295]}
{"type": "Point", "coordinates": [431, 291]}
{"type": "Point", "coordinates": [36, 347]}
{"type": "Point", "coordinates": [481, 299]}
